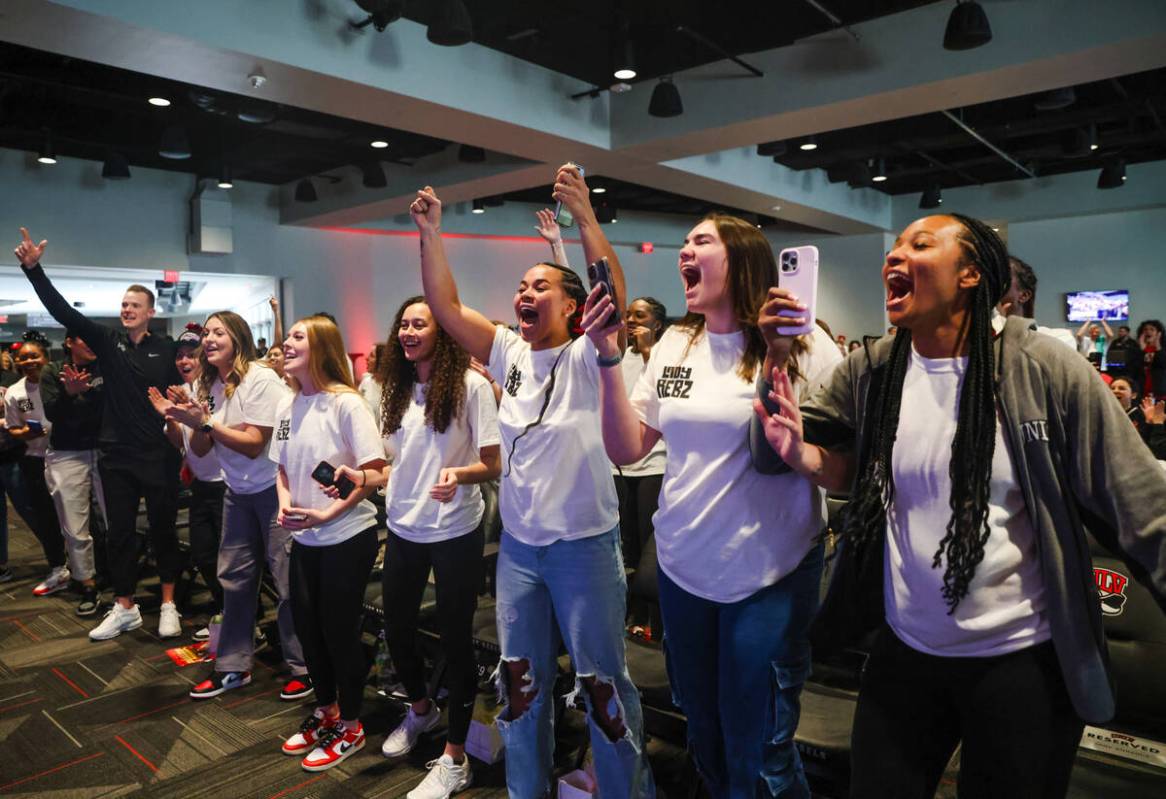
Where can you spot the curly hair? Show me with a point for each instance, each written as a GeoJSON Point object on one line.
{"type": "Point", "coordinates": [446, 394]}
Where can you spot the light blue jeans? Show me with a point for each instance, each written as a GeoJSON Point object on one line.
{"type": "Point", "coordinates": [574, 591]}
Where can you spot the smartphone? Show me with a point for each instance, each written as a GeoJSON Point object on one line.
{"type": "Point", "coordinates": [295, 517]}
{"type": "Point", "coordinates": [35, 426]}
{"type": "Point", "coordinates": [797, 270]}
{"type": "Point", "coordinates": [325, 475]}
{"type": "Point", "coordinates": [600, 272]}
{"type": "Point", "coordinates": [562, 215]}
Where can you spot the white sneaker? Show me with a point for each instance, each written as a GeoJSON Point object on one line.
{"type": "Point", "coordinates": [58, 580]}
{"type": "Point", "coordinates": [444, 779]}
{"type": "Point", "coordinates": [202, 634]}
{"type": "Point", "coordinates": [169, 625]}
{"type": "Point", "coordinates": [117, 621]}
{"type": "Point", "coordinates": [402, 740]}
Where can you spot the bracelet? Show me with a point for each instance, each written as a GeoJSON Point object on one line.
{"type": "Point", "coordinates": [363, 478]}
{"type": "Point", "coordinates": [606, 362]}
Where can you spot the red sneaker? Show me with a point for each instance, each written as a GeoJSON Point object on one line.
{"type": "Point", "coordinates": [335, 744]}
{"type": "Point", "coordinates": [311, 731]}
{"type": "Point", "coordinates": [297, 687]}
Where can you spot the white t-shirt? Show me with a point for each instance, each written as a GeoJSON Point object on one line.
{"type": "Point", "coordinates": [632, 366]}
{"type": "Point", "coordinates": [556, 479]}
{"type": "Point", "coordinates": [723, 530]}
{"type": "Point", "coordinates": [418, 454]}
{"type": "Point", "coordinates": [22, 403]}
{"type": "Point", "coordinates": [204, 467]}
{"type": "Point", "coordinates": [336, 427]}
{"type": "Point", "coordinates": [371, 390]}
{"type": "Point", "coordinates": [1004, 609]}
{"type": "Point", "coordinates": [254, 401]}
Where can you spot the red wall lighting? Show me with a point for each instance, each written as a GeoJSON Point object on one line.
{"type": "Point", "coordinates": [646, 247]}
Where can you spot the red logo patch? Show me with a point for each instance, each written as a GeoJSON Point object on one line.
{"type": "Point", "coordinates": [1111, 590]}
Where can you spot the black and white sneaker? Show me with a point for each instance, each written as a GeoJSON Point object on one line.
{"type": "Point", "coordinates": [297, 687]}
{"type": "Point", "coordinates": [90, 601]}
{"type": "Point", "coordinates": [220, 682]}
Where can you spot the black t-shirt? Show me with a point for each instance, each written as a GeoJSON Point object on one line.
{"type": "Point", "coordinates": [131, 429]}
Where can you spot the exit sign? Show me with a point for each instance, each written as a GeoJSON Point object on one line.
{"type": "Point", "coordinates": [646, 247]}
{"type": "Point", "coordinates": [170, 276]}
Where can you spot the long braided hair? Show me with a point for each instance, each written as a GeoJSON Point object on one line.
{"type": "Point", "coordinates": [972, 447]}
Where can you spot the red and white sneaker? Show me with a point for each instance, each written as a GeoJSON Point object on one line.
{"type": "Point", "coordinates": [311, 731]}
{"type": "Point", "coordinates": [220, 682]}
{"type": "Point", "coordinates": [58, 580]}
{"type": "Point", "coordinates": [335, 744]}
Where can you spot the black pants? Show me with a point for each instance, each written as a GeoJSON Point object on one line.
{"type": "Point", "coordinates": [327, 592]}
{"type": "Point", "coordinates": [206, 530]}
{"type": "Point", "coordinates": [45, 525]}
{"type": "Point", "coordinates": [1011, 713]}
{"type": "Point", "coordinates": [457, 570]}
{"type": "Point", "coordinates": [125, 482]}
{"type": "Point", "coordinates": [638, 499]}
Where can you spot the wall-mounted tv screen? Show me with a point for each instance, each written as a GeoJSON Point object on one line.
{"type": "Point", "coordinates": [1081, 306]}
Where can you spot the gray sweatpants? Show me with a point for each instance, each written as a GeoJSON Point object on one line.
{"type": "Point", "coordinates": [70, 476]}
{"type": "Point", "coordinates": [251, 536]}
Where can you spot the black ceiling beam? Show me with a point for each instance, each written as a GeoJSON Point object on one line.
{"type": "Point", "coordinates": [716, 48]}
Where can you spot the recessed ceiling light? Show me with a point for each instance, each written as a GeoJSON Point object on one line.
{"type": "Point", "coordinates": [379, 144]}
{"type": "Point", "coordinates": [624, 74]}
{"type": "Point", "coordinates": [478, 207]}
{"type": "Point", "coordinates": [776, 208]}
{"type": "Point", "coordinates": [809, 144]}
{"type": "Point", "coordinates": [598, 190]}
{"type": "Point", "coordinates": [161, 102]}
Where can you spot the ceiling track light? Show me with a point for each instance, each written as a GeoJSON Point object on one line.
{"type": "Point", "coordinates": [174, 144]}
{"type": "Point", "coordinates": [967, 27]}
{"type": "Point", "coordinates": [932, 197]}
{"type": "Point", "coordinates": [665, 100]}
{"type": "Point", "coordinates": [450, 25]}
{"type": "Point", "coordinates": [1091, 137]}
{"type": "Point", "coordinates": [225, 181]}
{"type": "Point", "coordinates": [623, 58]}
{"type": "Point", "coordinates": [378, 144]}
{"type": "Point", "coordinates": [1113, 175]}
{"type": "Point", "coordinates": [478, 207]}
{"type": "Point", "coordinates": [879, 171]}
{"type": "Point", "coordinates": [306, 191]}
{"type": "Point", "coordinates": [47, 154]}
{"type": "Point", "coordinates": [810, 144]}
{"type": "Point", "coordinates": [115, 167]}
{"type": "Point", "coordinates": [159, 102]}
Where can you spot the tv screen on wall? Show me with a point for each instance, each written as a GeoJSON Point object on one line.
{"type": "Point", "coordinates": [1082, 306]}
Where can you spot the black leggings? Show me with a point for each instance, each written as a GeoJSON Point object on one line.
{"type": "Point", "coordinates": [45, 525]}
{"type": "Point", "coordinates": [206, 530]}
{"type": "Point", "coordinates": [327, 593]}
{"type": "Point", "coordinates": [457, 569]}
{"type": "Point", "coordinates": [638, 499]}
{"type": "Point", "coordinates": [1011, 712]}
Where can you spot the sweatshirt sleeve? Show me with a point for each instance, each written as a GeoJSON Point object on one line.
{"type": "Point", "coordinates": [99, 337]}
{"type": "Point", "coordinates": [1124, 493]}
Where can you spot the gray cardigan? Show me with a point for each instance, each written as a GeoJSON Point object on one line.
{"type": "Point", "coordinates": [1080, 464]}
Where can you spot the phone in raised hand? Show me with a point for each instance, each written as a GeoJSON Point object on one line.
{"type": "Point", "coordinates": [797, 271]}
{"type": "Point", "coordinates": [598, 273]}
{"type": "Point", "coordinates": [562, 215]}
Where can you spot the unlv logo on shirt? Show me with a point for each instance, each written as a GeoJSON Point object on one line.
{"type": "Point", "coordinates": [1111, 589]}
{"type": "Point", "coordinates": [513, 381]}
{"type": "Point", "coordinates": [24, 405]}
{"type": "Point", "coordinates": [283, 432]}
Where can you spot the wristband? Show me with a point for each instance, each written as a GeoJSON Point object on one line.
{"type": "Point", "coordinates": [207, 426]}
{"type": "Point", "coordinates": [363, 478]}
{"type": "Point", "coordinates": [606, 362]}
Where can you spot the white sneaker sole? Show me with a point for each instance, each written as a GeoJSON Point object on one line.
{"type": "Point", "coordinates": [337, 761]}
{"type": "Point", "coordinates": [49, 591]}
{"type": "Point", "coordinates": [173, 634]}
{"type": "Point", "coordinates": [467, 784]}
{"type": "Point", "coordinates": [395, 753]}
{"type": "Point", "coordinates": [106, 636]}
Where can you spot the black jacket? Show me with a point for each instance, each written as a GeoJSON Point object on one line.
{"type": "Point", "coordinates": [76, 420]}
{"type": "Point", "coordinates": [131, 429]}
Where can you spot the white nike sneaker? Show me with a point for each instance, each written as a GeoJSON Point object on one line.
{"type": "Point", "coordinates": [402, 740]}
{"type": "Point", "coordinates": [169, 625]}
{"type": "Point", "coordinates": [445, 778]}
{"type": "Point", "coordinates": [117, 621]}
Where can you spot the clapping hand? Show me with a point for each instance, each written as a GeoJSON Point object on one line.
{"type": "Point", "coordinates": [185, 409]}
{"type": "Point", "coordinates": [1154, 412]}
{"type": "Point", "coordinates": [27, 253]}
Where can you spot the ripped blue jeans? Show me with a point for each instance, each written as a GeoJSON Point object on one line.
{"type": "Point", "coordinates": [737, 672]}
{"type": "Point", "coordinates": [576, 592]}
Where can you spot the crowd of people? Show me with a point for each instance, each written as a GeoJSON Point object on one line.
{"type": "Point", "coordinates": [965, 438]}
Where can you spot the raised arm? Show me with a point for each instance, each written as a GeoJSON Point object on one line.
{"type": "Point", "coordinates": [549, 229]}
{"type": "Point", "coordinates": [277, 328]}
{"type": "Point", "coordinates": [469, 328]}
{"type": "Point", "coordinates": [571, 190]}
{"type": "Point", "coordinates": [29, 255]}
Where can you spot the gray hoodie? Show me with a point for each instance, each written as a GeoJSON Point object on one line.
{"type": "Point", "coordinates": [1080, 462]}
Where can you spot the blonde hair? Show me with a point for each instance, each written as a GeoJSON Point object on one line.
{"type": "Point", "coordinates": [245, 356]}
{"type": "Point", "coordinates": [327, 356]}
